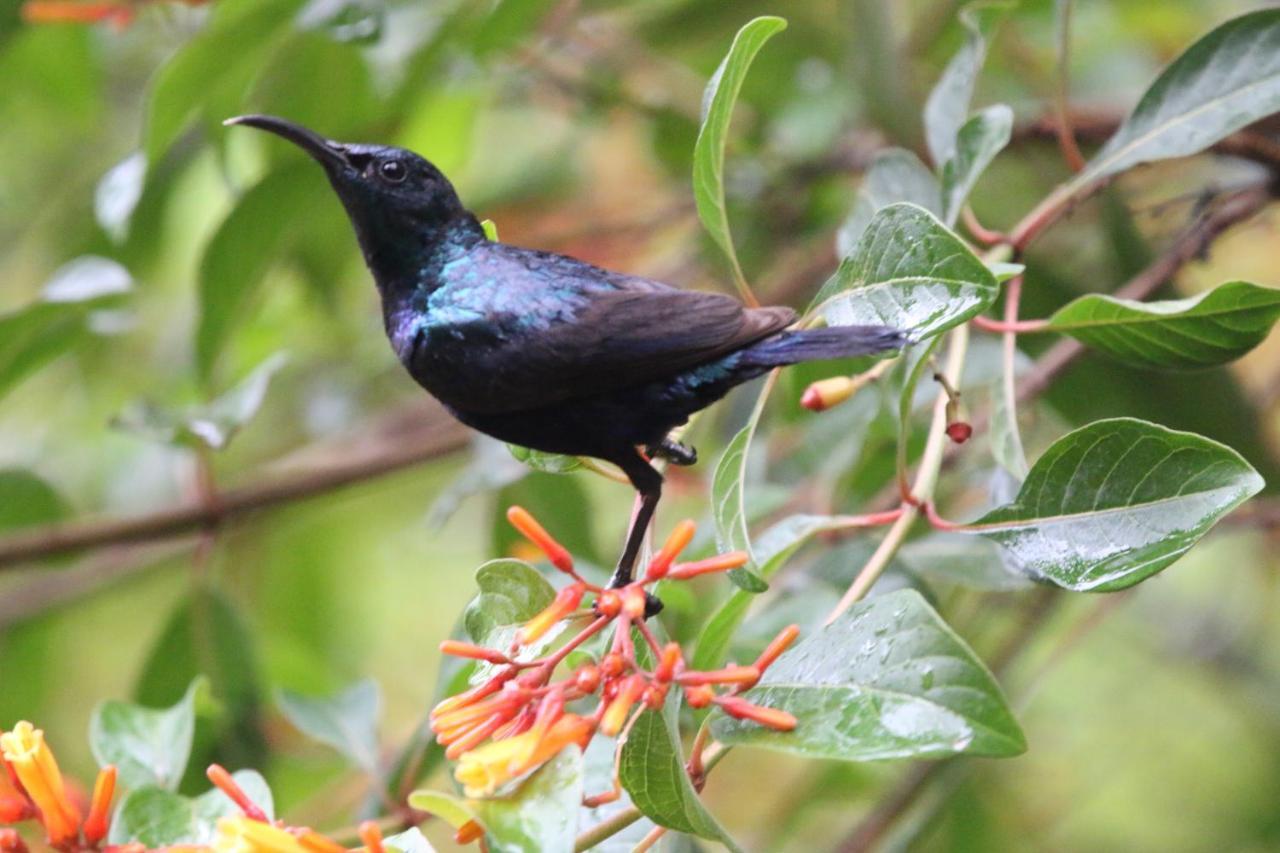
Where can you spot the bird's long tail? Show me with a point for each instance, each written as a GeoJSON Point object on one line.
{"type": "Point", "coordinates": [792, 347]}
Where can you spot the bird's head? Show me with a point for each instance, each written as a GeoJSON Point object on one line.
{"type": "Point", "coordinates": [396, 200]}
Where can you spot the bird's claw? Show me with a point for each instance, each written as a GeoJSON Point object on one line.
{"type": "Point", "coordinates": [674, 452]}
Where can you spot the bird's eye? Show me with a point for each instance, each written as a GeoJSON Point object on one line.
{"type": "Point", "coordinates": [393, 171]}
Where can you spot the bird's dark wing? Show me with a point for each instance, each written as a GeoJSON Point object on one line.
{"type": "Point", "coordinates": [622, 338]}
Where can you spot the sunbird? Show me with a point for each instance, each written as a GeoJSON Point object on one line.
{"type": "Point", "coordinates": [543, 350]}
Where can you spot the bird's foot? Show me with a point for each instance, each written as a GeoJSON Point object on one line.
{"type": "Point", "coordinates": [652, 604]}
{"type": "Point", "coordinates": [674, 452]}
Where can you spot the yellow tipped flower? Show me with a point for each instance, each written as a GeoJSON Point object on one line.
{"type": "Point", "coordinates": [825, 393]}
{"type": "Point", "coordinates": [565, 602]}
{"type": "Point", "coordinates": [242, 834]}
{"type": "Point", "coordinates": [33, 762]}
{"type": "Point", "coordinates": [485, 769]}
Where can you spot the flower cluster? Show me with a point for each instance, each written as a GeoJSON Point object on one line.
{"type": "Point", "coordinates": [32, 788]}
{"type": "Point", "coordinates": [519, 718]}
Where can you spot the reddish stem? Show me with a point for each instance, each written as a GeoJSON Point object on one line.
{"type": "Point", "coordinates": [1010, 326]}
{"type": "Point", "coordinates": [938, 522]}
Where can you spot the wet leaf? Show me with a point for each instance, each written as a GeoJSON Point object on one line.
{"type": "Point", "coordinates": [652, 770]}
{"type": "Point", "coordinates": [348, 722]}
{"type": "Point", "coordinates": [728, 506]}
{"type": "Point", "coordinates": [541, 814]}
{"type": "Point", "coordinates": [969, 561]}
{"type": "Point", "coordinates": [895, 175]}
{"type": "Point", "coordinates": [910, 272]}
{"type": "Point", "coordinates": [947, 107]}
{"type": "Point", "coordinates": [980, 139]}
{"type": "Point", "coordinates": [1203, 331]}
{"type": "Point", "coordinates": [888, 679]}
{"type": "Point", "coordinates": [717, 109]}
{"type": "Point", "coordinates": [1228, 79]}
{"type": "Point", "coordinates": [1115, 502]}
{"type": "Point", "coordinates": [159, 818]}
{"type": "Point", "coordinates": [149, 746]}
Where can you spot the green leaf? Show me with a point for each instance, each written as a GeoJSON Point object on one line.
{"type": "Point", "coordinates": [1115, 502]}
{"type": "Point", "coordinates": [213, 68]}
{"type": "Point", "coordinates": [159, 818]}
{"type": "Point", "coordinates": [910, 272]}
{"type": "Point", "coordinates": [490, 230]}
{"type": "Point", "coordinates": [60, 319]}
{"type": "Point", "coordinates": [969, 561]}
{"type": "Point", "coordinates": [348, 722]}
{"type": "Point", "coordinates": [149, 746]}
{"type": "Point", "coordinates": [980, 139]}
{"type": "Point", "coordinates": [541, 814]}
{"type": "Point", "coordinates": [1228, 79]}
{"type": "Point", "coordinates": [154, 817]}
{"type": "Point", "coordinates": [895, 175]}
{"type": "Point", "coordinates": [728, 505]}
{"type": "Point", "coordinates": [947, 107]}
{"type": "Point", "coordinates": [511, 592]}
{"type": "Point", "coordinates": [236, 260]}
{"type": "Point", "coordinates": [550, 463]}
{"type": "Point", "coordinates": [717, 108]}
{"type": "Point", "coordinates": [1206, 330]}
{"type": "Point", "coordinates": [1003, 270]}
{"type": "Point", "coordinates": [25, 499]}
{"type": "Point", "coordinates": [410, 841]}
{"type": "Point", "coordinates": [652, 771]}
{"type": "Point", "coordinates": [211, 426]}
{"type": "Point", "coordinates": [888, 679]}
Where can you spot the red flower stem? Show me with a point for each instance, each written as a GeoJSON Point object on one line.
{"type": "Point", "coordinates": [938, 522]}
{"type": "Point", "coordinates": [553, 660]}
{"type": "Point", "coordinates": [1017, 327]}
{"type": "Point", "coordinates": [873, 519]}
{"type": "Point", "coordinates": [647, 633]}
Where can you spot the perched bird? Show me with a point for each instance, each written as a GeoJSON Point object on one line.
{"type": "Point", "coordinates": [543, 350]}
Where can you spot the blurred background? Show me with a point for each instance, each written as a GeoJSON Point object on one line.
{"type": "Point", "coordinates": [151, 261]}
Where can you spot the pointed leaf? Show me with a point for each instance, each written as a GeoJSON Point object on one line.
{"type": "Point", "coordinates": [1206, 330]}
{"type": "Point", "coordinates": [910, 272]}
{"type": "Point", "coordinates": [511, 593]}
{"type": "Point", "coordinates": [149, 746]}
{"type": "Point", "coordinates": [652, 770]}
{"type": "Point", "coordinates": [541, 814]}
{"type": "Point", "coordinates": [895, 175]}
{"type": "Point", "coordinates": [728, 507]}
{"type": "Point", "coordinates": [159, 818]}
{"type": "Point", "coordinates": [348, 722]}
{"type": "Point", "coordinates": [888, 679]}
{"type": "Point", "coordinates": [980, 139]}
{"type": "Point", "coordinates": [1116, 501]}
{"type": "Point", "coordinates": [1228, 79]}
{"type": "Point", "coordinates": [947, 107]}
{"type": "Point", "coordinates": [717, 108]}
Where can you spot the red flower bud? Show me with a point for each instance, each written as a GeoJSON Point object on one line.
{"type": "Point", "coordinates": [699, 696]}
{"type": "Point", "coordinates": [587, 678]}
{"type": "Point", "coordinates": [959, 431]}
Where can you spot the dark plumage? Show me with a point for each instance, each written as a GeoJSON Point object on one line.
{"type": "Point", "coordinates": [543, 350]}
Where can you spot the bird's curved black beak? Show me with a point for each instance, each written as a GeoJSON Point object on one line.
{"type": "Point", "coordinates": [330, 154]}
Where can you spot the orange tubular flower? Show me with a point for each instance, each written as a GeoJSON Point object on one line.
{"type": "Point", "coordinates": [14, 805]}
{"type": "Point", "coordinates": [95, 825]}
{"type": "Point", "coordinates": [728, 675]}
{"type": "Point", "coordinates": [459, 649]}
{"type": "Point", "coordinates": [31, 759]}
{"type": "Point", "coordinates": [616, 714]}
{"type": "Point", "coordinates": [556, 553]}
{"type": "Point", "coordinates": [718, 563]}
{"type": "Point", "coordinates": [676, 542]}
{"type": "Point", "coordinates": [469, 832]}
{"type": "Point", "coordinates": [371, 835]}
{"type": "Point", "coordinates": [242, 834]}
{"type": "Point", "coordinates": [565, 602]}
{"type": "Point", "coordinates": [741, 709]}
{"type": "Point", "coordinates": [485, 769]}
{"type": "Point", "coordinates": [222, 780]}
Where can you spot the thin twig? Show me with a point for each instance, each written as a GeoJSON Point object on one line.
{"type": "Point", "coordinates": [437, 435]}
{"type": "Point", "coordinates": [1066, 136]}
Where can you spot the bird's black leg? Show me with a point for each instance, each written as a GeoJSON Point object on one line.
{"type": "Point", "coordinates": [674, 452]}
{"type": "Point", "coordinates": [648, 483]}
